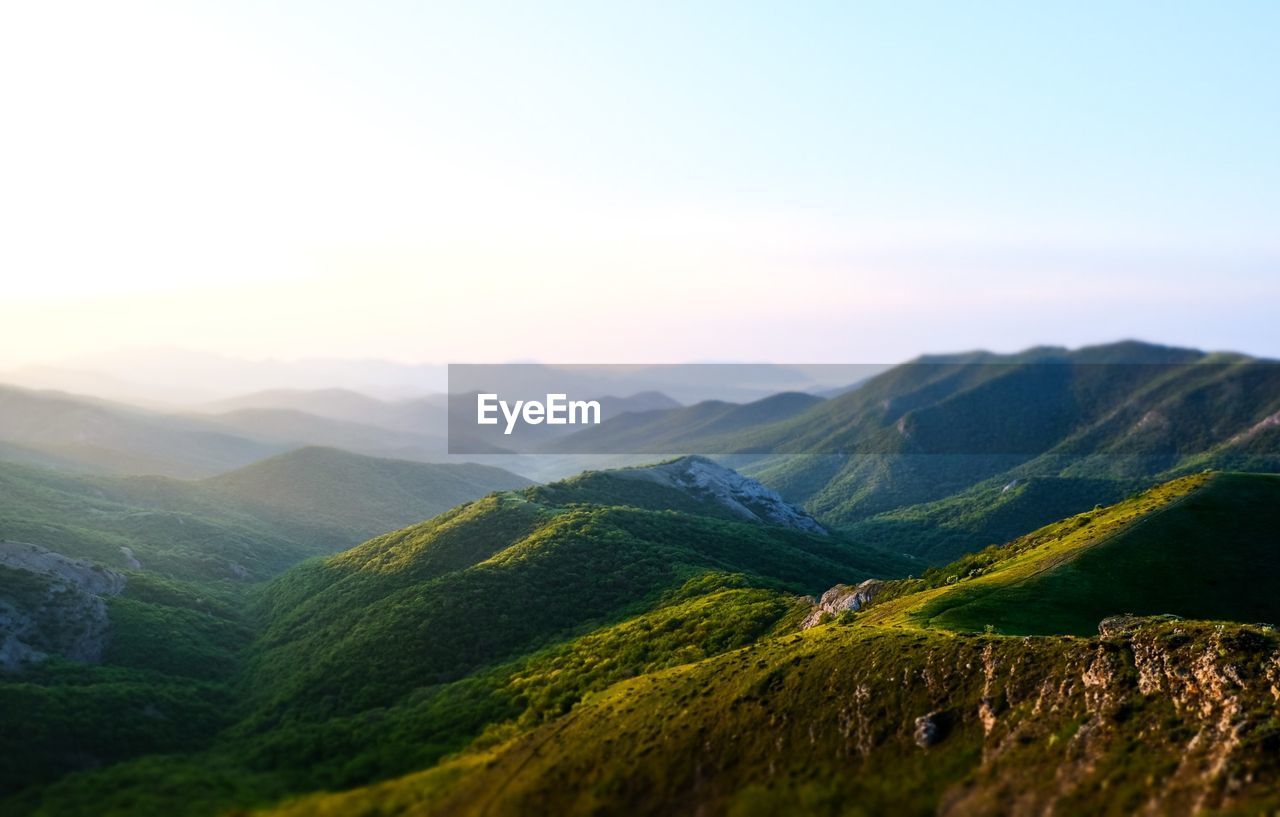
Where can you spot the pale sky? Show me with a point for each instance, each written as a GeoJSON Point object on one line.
{"type": "Point", "coordinates": [793, 182]}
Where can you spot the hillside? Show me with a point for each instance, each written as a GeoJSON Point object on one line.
{"type": "Point", "coordinates": [1162, 718]}
{"type": "Point", "coordinates": [915, 706]}
{"type": "Point", "coordinates": [350, 492]}
{"type": "Point", "coordinates": [53, 428]}
{"type": "Point", "coordinates": [161, 526]}
{"type": "Point", "coordinates": [583, 647]}
{"type": "Point", "coordinates": [499, 577]}
{"type": "Point", "coordinates": [515, 607]}
{"type": "Point", "coordinates": [123, 599]}
{"type": "Point", "coordinates": [1144, 556]}
{"type": "Point", "coordinates": [918, 458]}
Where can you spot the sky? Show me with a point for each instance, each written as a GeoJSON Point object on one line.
{"type": "Point", "coordinates": [619, 182]}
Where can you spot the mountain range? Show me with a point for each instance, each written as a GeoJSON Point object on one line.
{"type": "Point", "coordinates": [973, 584]}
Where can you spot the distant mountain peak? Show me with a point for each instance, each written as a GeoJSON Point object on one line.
{"type": "Point", "coordinates": [709, 480]}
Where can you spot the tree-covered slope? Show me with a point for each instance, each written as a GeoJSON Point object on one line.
{"type": "Point", "coordinates": [483, 621]}
{"type": "Point", "coordinates": [508, 574]}
{"type": "Point", "coordinates": [166, 639]}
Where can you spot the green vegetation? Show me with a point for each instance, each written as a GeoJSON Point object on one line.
{"type": "Point", "coordinates": [826, 722]}
{"type": "Point", "coordinates": [917, 459]}
{"type": "Point", "coordinates": [246, 524]}
{"type": "Point", "coordinates": [812, 722]}
{"type": "Point", "coordinates": [193, 555]}
{"type": "Point", "coordinates": [1155, 565]}
{"type": "Point", "coordinates": [482, 622]}
{"type": "Point", "coordinates": [613, 644]}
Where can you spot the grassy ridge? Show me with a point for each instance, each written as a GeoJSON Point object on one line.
{"type": "Point", "coordinates": [1154, 565]}
{"type": "Point", "coordinates": [504, 576]}
{"type": "Point", "coordinates": [576, 649]}
{"type": "Point", "coordinates": [825, 720]}
{"type": "Point", "coordinates": [478, 624]}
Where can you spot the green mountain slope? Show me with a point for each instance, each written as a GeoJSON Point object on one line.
{"type": "Point", "coordinates": [916, 458]}
{"type": "Point", "coordinates": [251, 523]}
{"type": "Point", "coordinates": [492, 618]}
{"type": "Point", "coordinates": [506, 575]}
{"type": "Point", "coordinates": [904, 708]}
{"type": "Point", "coordinates": [843, 720]}
{"type": "Point", "coordinates": [364, 495]}
{"type": "Point", "coordinates": [185, 558]}
{"type": "Point", "coordinates": [1131, 559]}
{"type": "Point", "coordinates": [992, 511]}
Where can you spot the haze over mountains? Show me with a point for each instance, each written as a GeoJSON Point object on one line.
{"type": "Point", "coordinates": [954, 587]}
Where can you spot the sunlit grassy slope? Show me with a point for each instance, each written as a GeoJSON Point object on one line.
{"type": "Point", "coordinates": [826, 721]}
{"type": "Point", "coordinates": [1204, 547]}
{"type": "Point", "coordinates": [480, 623]}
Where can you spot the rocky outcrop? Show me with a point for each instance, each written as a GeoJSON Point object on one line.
{"type": "Point", "coordinates": [1200, 696]}
{"type": "Point", "coordinates": [929, 730]}
{"type": "Point", "coordinates": [744, 496]}
{"type": "Point", "coordinates": [840, 598]}
{"type": "Point", "coordinates": [51, 604]}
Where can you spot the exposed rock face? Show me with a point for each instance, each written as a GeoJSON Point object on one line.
{"type": "Point", "coordinates": [840, 598]}
{"type": "Point", "coordinates": [928, 730]}
{"type": "Point", "coordinates": [52, 604]}
{"type": "Point", "coordinates": [700, 477]}
{"type": "Point", "coordinates": [1201, 695]}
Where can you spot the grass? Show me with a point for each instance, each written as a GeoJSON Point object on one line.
{"type": "Point", "coordinates": [1200, 547]}
{"type": "Point", "coordinates": [542, 652]}
{"type": "Point", "coordinates": [822, 723]}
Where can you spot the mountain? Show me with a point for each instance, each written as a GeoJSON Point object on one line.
{"type": "Point", "coordinates": [124, 600]}
{"type": "Point", "coordinates": [85, 434]}
{"type": "Point", "coordinates": [424, 415]}
{"type": "Point", "coordinates": [384, 658]}
{"type": "Point", "coordinates": [921, 704]}
{"type": "Point", "coordinates": [503, 576]}
{"type": "Point", "coordinates": [822, 631]}
{"type": "Point", "coordinates": [288, 428]}
{"type": "Point", "coordinates": [171, 377]}
{"type": "Point", "coordinates": [251, 523]}
{"type": "Point", "coordinates": [1145, 556]}
{"type": "Point", "coordinates": [671, 430]}
{"type": "Point", "coordinates": [918, 458]}
{"type": "Point", "coordinates": [114, 438]}
{"type": "Point", "coordinates": [350, 492]}
{"type": "Point", "coordinates": [643, 641]}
